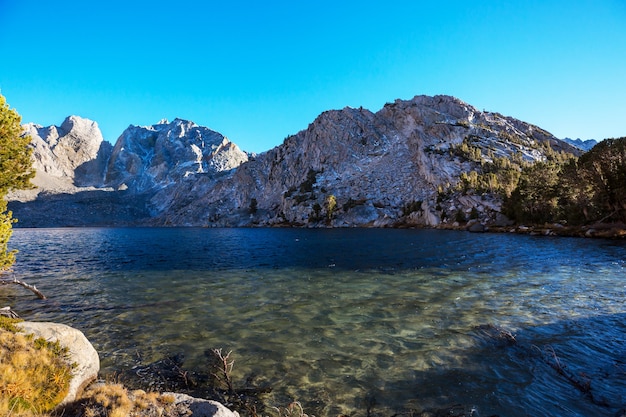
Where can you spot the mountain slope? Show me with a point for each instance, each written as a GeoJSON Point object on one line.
{"type": "Point", "coordinates": [65, 157]}
{"type": "Point", "coordinates": [350, 167]}
{"type": "Point", "coordinates": [373, 164]}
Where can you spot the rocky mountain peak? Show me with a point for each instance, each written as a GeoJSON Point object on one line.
{"type": "Point", "coordinates": [147, 157]}
{"type": "Point", "coordinates": [65, 156]}
{"type": "Point", "coordinates": [584, 145]}
{"type": "Point", "coordinates": [60, 150]}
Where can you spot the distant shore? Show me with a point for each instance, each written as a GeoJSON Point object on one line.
{"type": "Point", "coordinates": [599, 230]}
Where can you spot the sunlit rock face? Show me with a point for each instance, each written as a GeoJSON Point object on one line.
{"type": "Point", "coordinates": [67, 157]}
{"type": "Point", "coordinates": [59, 151]}
{"type": "Point", "coordinates": [149, 158]}
{"type": "Point", "coordinates": [373, 164]}
{"type": "Point", "coordinates": [349, 167]}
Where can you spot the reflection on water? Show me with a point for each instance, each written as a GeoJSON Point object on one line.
{"type": "Point", "coordinates": [336, 318]}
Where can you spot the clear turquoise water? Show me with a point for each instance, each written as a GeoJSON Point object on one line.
{"type": "Point", "coordinates": [334, 318]}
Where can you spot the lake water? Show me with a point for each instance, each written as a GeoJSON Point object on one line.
{"type": "Point", "coordinates": [352, 321]}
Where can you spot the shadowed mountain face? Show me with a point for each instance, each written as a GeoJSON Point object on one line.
{"type": "Point", "coordinates": [350, 167]}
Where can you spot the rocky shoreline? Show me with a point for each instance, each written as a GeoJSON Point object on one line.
{"type": "Point", "coordinates": [87, 392]}
{"type": "Point", "coordinates": [600, 230]}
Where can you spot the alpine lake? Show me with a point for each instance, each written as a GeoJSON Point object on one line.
{"type": "Point", "coordinates": [355, 322]}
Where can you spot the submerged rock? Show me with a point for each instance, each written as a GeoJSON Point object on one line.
{"type": "Point", "coordinates": [475, 227]}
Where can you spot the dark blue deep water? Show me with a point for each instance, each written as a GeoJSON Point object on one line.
{"type": "Point", "coordinates": [341, 320]}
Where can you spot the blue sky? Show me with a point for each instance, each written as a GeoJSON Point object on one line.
{"type": "Point", "coordinates": [260, 71]}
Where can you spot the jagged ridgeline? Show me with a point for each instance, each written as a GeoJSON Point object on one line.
{"type": "Point", "coordinates": [429, 161]}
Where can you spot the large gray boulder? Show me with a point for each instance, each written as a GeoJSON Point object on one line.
{"type": "Point", "coordinates": [81, 352]}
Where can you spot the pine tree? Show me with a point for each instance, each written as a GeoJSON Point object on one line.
{"type": "Point", "coordinates": [15, 173]}
{"type": "Point", "coordinates": [331, 204]}
{"type": "Point", "coordinates": [7, 257]}
{"type": "Point", "coordinates": [603, 168]}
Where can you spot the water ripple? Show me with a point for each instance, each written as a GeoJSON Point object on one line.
{"type": "Point", "coordinates": [339, 318]}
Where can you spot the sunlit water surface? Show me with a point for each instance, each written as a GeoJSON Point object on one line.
{"type": "Point", "coordinates": [343, 320]}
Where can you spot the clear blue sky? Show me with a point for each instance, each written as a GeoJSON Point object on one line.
{"type": "Point", "coordinates": [257, 71]}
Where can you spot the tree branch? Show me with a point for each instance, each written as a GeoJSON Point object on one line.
{"type": "Point", "coordinates": [25, 285]}
{"type": "Point", "coordinates": [223, 368]}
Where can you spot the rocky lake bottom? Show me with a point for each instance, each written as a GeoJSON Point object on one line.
{"type": "Point", "coordinates": [353, 321]}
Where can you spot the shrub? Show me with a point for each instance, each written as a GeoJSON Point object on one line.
{"type": "Point", "coordinates": [34, 373]}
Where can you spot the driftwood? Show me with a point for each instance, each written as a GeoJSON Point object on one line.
{"type": "Point", "coordinates": [25, 285]}
{"type": "Point", "coordinates": [7, 312]}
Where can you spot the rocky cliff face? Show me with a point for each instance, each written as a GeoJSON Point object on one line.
{"type": "Point", "coordinates": [150, 158]}
{"type": "Point", "coordinates": [350, 167]}
{"type": "Point", "coordinates": [66, 157]}
{"type": "Point", "coordinates": [373, 165]}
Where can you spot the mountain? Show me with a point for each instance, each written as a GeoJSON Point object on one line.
{"type": "Point", "coordinates": [585, 145]}
{"type": "Point", "coordinates": [82, 180]}
{"type": "Point", "coordinates": [350, 167]}
{"type": "Point", "coordinates": [373, 164]}
{"type": "Point", "coordinates": [65, 158]}
{"type": "Point", "coordinates": [147, 159]}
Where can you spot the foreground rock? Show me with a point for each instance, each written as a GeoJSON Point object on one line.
{"type": "Point", "coordinates": [201, 408]}
{"type": "Point", "coordinates": [104, 400]}
{"type": "Point", "coordinates": [81, 352]}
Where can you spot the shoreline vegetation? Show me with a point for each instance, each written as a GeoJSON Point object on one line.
{"type": "Point", "coordinates": [36, 375]}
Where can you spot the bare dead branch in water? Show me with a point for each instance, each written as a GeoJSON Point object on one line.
{"type": "Point", "coordinates": [507, 336]}
{"type": "Point", "coordinates": [501, 336]}
{"type": "Point", "coordinates": [292, 410]}
{"type": "Point", "coordinates": [25, 285]}
{"type": "Point", "coordinates": [224, 368]}
{"type": "Point", "coordinates": [583, 385]}
{"type": "Point", "coordinates": [244, 399]}
{"type": "Point", "coordinates": [370, 402]}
